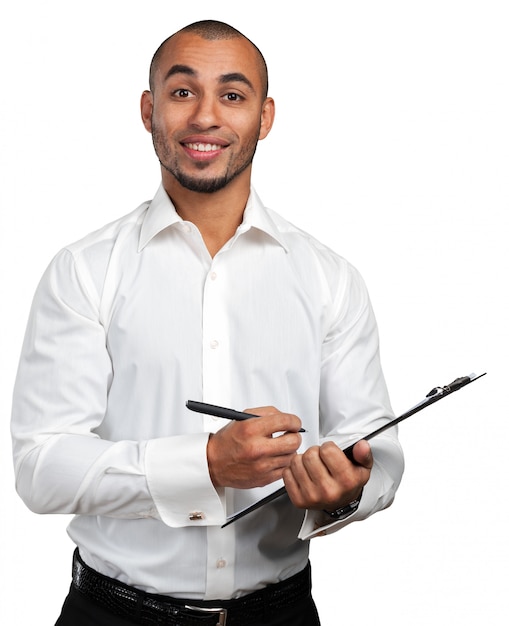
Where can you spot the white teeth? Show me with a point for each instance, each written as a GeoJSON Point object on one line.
{"type": "Point", "coordinates": [203, 147]}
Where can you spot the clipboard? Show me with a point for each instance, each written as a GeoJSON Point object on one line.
{"type": "Point", "coordinates": [436, 394]}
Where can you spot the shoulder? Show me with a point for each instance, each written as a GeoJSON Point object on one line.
{"type": "Point", "coordinates": [110, 234]}
{"type": "Point", "coordinates": [78, 270]}
{"type": "Point", "coordinates": [309, 252]}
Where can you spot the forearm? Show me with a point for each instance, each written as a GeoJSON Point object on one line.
{"type": "Point", "coordinates": [62, 399]}
{"type": "Point", "coordinates": [84, 475]}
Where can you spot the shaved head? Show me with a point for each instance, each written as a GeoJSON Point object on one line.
{"type": "Point", "coordinates": [211, 30]}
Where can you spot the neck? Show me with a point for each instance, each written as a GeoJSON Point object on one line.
{"type": "Point", "coordinates": [216, 215]}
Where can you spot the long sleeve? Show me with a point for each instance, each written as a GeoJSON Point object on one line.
{"type": "Point", "coordinates": [134, 320]}
{"type": "Point", "coordinates": [60, 400]}
{"type": "Point", "coordinates": [354, 401]}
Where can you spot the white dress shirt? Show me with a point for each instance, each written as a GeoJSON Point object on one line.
{"type": "Point", "coordinates": [135, 319]}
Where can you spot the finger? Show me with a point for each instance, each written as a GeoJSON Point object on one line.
{"type": "Point", "coordinates": [337, 462]}
{"type": "Point", "coordinates": [304, 491]}
{"type": "Point", "coordinates": [243, 442]}
{"type": "Point", "coordinates": [283, 445]}
{"type": "Point", "coordinates": [258, 436]}
{"type": "Point", "coordinates": [314, 466]}
{"type": "Point", "coordinates": [362, 454]}
{"type": "Point", "coordinates": [262, 411]}
{"type": "Point", "coordinates": [299, 470]}
{"type": "Point", "coordinates": [350, 475]}
{"type": "Point", "coordinates": [310, 474]}
{"type": "Point", "coordinates": [272, 468]}
{"type": "Point", "coordinates": [274, 421]}
{"type": "Point", "coordinates": [334, 459]}
{"type": "Point", "coordinates": [282, 462]}
{"type": "Point", "coordinates": [293, 489]}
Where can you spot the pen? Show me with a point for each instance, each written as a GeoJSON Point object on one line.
{"type": "Point", "coordinates": [436, 394]}
{"type": "Point", "coordinates": [221, 411]}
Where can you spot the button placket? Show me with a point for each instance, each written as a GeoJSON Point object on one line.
{"type": "Point", "coordinates": [216, 379]}
{"type": "Point", "coordinates": [221, 560]}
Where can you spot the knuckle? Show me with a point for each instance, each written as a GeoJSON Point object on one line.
{"type": "Point", "coordinates": [248, 428]}
{"type": "Point", "coordinates": [295, 462]}
{"type": "Point", "coordinates": [311, 454]}
{"type": "Point", "coordinates": [293, 441]}
{"type": "Point", "coordinates": [312, 451]}
{"type": "Point", "coordinates": [328, 450]}
{"type": "Point", "coordinates": [252, 450]}
{"type": "Point", "coordinates": [288, 421]}
{"type": "Point", "coordinates": [264, 467]}
{"type": "Point", "coordinates": [331, 494]}
{"type": "Point", "coordinates": [261, 411]}
{"type": "Point", "coordinates": [350, 483]}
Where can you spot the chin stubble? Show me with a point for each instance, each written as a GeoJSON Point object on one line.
{"type": "Point", "coordinates": [195, 183]}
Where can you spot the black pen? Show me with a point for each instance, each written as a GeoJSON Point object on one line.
{"type": "Point", "coordinates": [436, 394]}
{"type": "Point", "coordinates": [221, 411]}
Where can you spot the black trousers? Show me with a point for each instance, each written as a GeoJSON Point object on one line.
{"type": "Point", "coordinates": [80, 611]}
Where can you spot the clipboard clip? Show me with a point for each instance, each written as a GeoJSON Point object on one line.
{"type": "Point", "coordinates": [456, 384]}
{"type": "Point", "coordinates": [436, 394]}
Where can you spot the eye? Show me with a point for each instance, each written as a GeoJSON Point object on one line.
{"type": "Point", "coordinates": [182, 93]}
{"type": "Point", "coordinates": [233, 97]}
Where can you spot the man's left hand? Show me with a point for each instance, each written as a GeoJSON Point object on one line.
{"type": "Point", "coordinates": [324, 478]}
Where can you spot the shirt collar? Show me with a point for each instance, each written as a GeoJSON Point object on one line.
{"type": "Point", "coordinates": [161, 214]}
{"type": "Point", "coordinates": [257, 216]}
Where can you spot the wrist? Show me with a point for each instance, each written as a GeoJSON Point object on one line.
{"type": "Point", "coordinates": [210, 462]}
{"type": "Point", "coordinates": [345, 511]}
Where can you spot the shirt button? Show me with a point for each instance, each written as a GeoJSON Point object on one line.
{"type": "Point", "coordinates": [220, 563]}
{"type": "Point", "coordinates": [214, 344]}
{"type": "Point", "coordinates": [195, 516]}
{"type": "Point", "coordinates": [213, 276]}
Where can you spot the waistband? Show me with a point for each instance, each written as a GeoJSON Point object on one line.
{"type": "Point", "coordinates": [150, 609]}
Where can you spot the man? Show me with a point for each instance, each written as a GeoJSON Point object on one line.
{"type": "Point", "coordinates": [201, 294]}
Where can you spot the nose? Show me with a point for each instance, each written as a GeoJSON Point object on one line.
{"type": "Point", "coordinates": [205, 113]}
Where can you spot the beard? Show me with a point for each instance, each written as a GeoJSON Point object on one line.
{"type": "Point", "coordinates": [201, 183]}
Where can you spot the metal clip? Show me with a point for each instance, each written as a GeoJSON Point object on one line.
{"type": "Point", "coordinates": [221, 613]}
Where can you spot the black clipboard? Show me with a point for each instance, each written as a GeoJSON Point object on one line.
{"type": "Point", "coordinates": [436, 394]}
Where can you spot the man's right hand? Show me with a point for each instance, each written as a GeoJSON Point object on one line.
{"type": "Point", "coordinates": [245, 454]}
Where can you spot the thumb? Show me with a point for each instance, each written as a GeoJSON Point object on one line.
{"type": "Point", "coordinates": [362, 454]}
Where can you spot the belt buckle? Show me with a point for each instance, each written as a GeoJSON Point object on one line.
{"type": "Point", "coordinates": [221, 613]}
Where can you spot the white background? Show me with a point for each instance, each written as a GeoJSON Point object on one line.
{"type": "Point", "coordinates": [391, 144]}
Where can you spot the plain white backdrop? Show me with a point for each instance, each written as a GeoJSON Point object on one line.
{"type": "Point", "coordinates": [391, 144]}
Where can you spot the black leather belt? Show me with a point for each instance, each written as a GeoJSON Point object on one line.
{"type": "Point", "coordinates": [146, 608]}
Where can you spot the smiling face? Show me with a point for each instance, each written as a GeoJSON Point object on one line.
{"type": "Point", "coordinates": [206, 111]}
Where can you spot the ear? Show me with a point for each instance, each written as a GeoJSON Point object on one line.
{"type": "Point", "coordinates": [268, 113]}
{"type": "Point", "coordinates": [147, 105]}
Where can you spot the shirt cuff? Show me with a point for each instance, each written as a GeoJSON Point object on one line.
{"type": "Point", "coordinates": [179, 481]}
{"type": "Point", "coordinates": [318, 523]}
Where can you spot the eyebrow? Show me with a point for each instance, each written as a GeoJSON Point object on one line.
{"type": "Point", "coordinates": [179, 69]}
{"type": "Point", "coordinates": [236, 77]}
{"type": "Point", "coordinates": [232, 77]}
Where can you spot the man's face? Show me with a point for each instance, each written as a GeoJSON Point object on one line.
{"type": "Point", "coordinates": [207, 111]}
